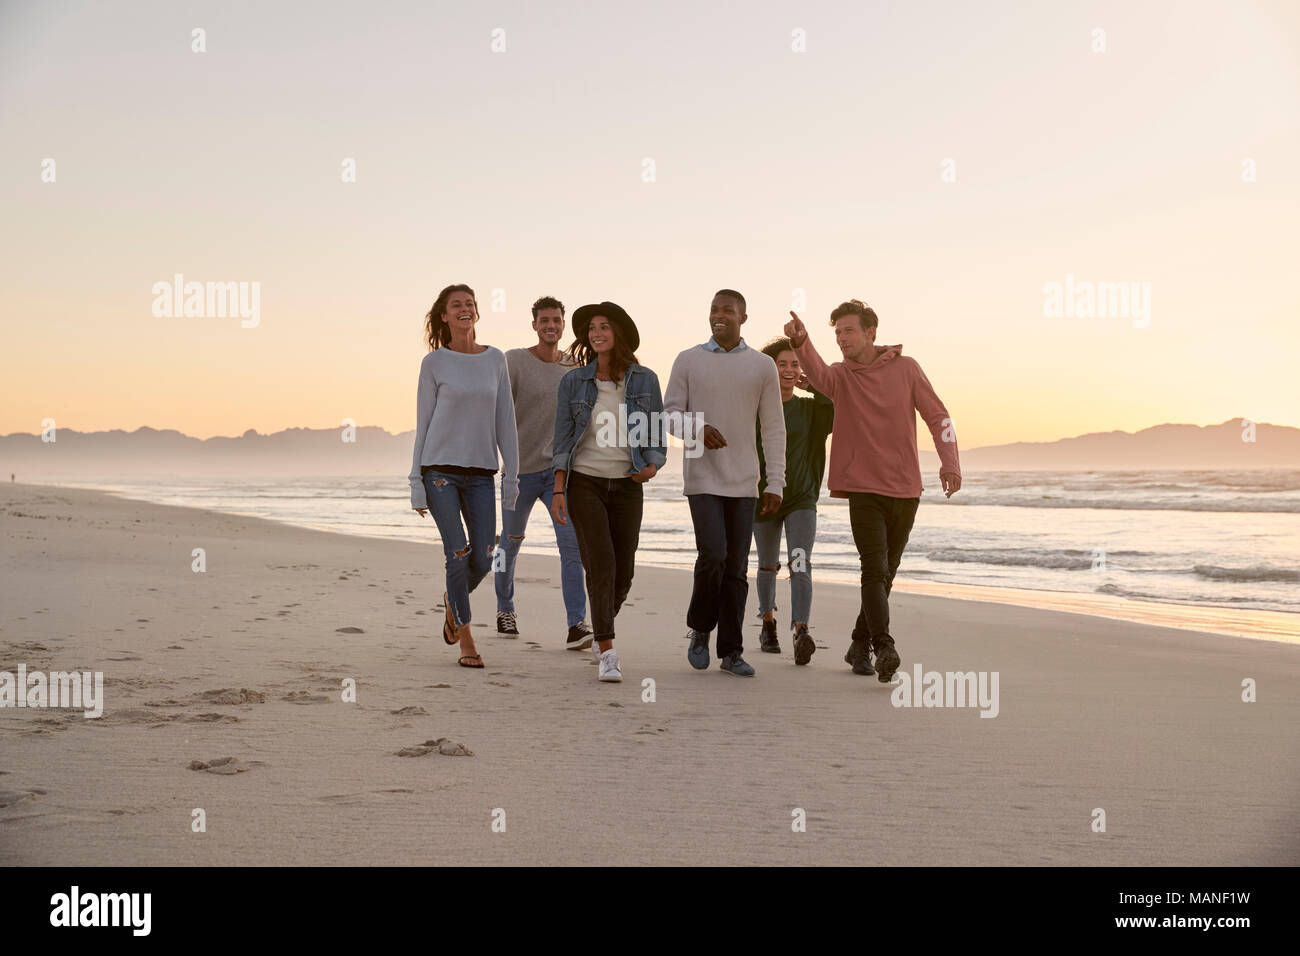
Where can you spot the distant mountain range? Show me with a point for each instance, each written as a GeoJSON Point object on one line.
{"type": "Point", "coordinates": [148, 452]}
{"type": "Point", "coordinates": [1230, 446]}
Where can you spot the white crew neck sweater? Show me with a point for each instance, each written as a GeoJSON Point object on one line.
{"type": "Point", "coordinates": [732, 390]}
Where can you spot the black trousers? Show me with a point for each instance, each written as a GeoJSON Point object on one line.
{"type": "Point", "coordinates": [724, 528]}
{"type": "Point", "coordinates": [606, 516]}
{"type": "Point", "coordinates": [881, 526]}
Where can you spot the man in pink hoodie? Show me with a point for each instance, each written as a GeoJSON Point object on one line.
{"type": "Point", "coordinates": [877, 393]}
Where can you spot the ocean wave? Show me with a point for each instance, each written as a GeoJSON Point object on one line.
{"type": "Point", "coordinates": [1256, 572]}
{"type": "Point", "coordinates": [1229, 505]}
{"type": "Point", "coordinates": [1115, 590]}
{"type": "Point", "coordinates": [1070, 559]}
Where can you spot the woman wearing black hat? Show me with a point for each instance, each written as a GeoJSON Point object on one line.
{"type": "Point", "coordinates": [609, 440]}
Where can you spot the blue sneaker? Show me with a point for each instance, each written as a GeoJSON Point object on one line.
{"type": "Point", "coordinates": [698, 652]}
{"type": "Point", "coordinates": [734, 664]}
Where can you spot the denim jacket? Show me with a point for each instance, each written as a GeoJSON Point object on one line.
{"type": "Point", "coordinates": [577, 397]}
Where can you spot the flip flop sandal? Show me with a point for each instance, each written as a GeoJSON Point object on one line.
{"type": "Point", "coordinates": [475, 657]}
{"type": "Point", "coordinates": [448, 628]}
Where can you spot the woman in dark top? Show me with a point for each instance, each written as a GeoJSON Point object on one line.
{"type": "Point", "coordinates": [807, 423]}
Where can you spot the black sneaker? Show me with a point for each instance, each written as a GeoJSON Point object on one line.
{"type": "Point", "coordinates": [859, 656]}
{"type": "Point", "coordinates": [887, 660]}
{"type": "Point", "coordinates": [507, 623]}
{"type": "Point", "coordinates": [767, 638]}
{"type": "Point", "coordinates": [579, 638]}
{"type": "Point", "coordinates": [804, 647]}
{"type": "Point", "coordinates": [735, 665]}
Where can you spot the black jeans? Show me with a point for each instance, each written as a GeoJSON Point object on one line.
{"type": "Point", "coordinates": [724, 528]}
{"type": "Point", "coordinates": [606, 516]}
{"type": "Point", "coordinates": [880, 528]}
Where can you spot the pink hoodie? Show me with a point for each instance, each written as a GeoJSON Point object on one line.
{"type": "Point", "coordinates": [873, 446]}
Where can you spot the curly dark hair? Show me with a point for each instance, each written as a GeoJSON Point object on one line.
{"type": "Point", "coordinates": [778, 345]}
{"type": "Point", "coordinates": [436, 332]}
{"type": "Point", "coordinates": [859, 308]}
{"type": "Point", "coordinates": [547, 302]}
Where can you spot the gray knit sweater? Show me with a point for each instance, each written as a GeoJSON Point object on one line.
{"type": "Point", "coordinates": [464, 413]}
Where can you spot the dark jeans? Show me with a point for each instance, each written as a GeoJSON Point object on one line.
{"type": "Point", "coordinates": [606, 516]}
{"type": "Point", "coordinates": [880, 528]}
{"type": "Point", "coordinates": [724, 528]}
{"type": "Point", "coordinates": [467, 546]}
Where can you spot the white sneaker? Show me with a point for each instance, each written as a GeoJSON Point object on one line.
{"type": "Point", "coordinates": [609, 671]}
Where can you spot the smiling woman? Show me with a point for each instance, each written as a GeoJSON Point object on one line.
{"type": "Point", "coordinates": [465, 413]}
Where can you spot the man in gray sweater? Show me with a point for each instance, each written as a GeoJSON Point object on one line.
{"type": "Point", "coordinates": [535, 375]}
{"type": "Point", "coordinates": [731, 386]}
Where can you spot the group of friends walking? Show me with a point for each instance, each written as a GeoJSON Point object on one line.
{"type": "Point", "coordinates": [582, 429]}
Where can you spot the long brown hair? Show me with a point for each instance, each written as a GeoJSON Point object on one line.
{"type": "Point", "coordinates": [436, 331]}
{"type": "Point", "coordinates": [581, 353]}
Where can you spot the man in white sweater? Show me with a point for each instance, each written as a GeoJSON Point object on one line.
{"type": "Point", "coordinates": [731, 386]}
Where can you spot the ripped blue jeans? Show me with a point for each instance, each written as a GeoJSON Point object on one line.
{"type": "Point", "coordinates": [472, 497]}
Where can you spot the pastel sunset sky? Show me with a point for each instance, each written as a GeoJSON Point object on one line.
{"type": "Point", "coordinates": [780, 173]}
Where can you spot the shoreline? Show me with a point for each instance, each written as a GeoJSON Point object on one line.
{"type": "Point", "coordinates": [1279, 626]}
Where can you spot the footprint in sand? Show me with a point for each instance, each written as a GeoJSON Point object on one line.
{"type": "Point", "coordinates": [9, 797]}
{"type": "Point", "coordinates": [444, 746]}
{"type": "Point", "coordinates": [229, 696]}
{"type": "Point", "coordinates": [224, 765]}
{"type": "Point", "coordinates": [302, 697]}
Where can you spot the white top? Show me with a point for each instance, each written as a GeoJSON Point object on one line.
{"type": "Point", "coordinates": [603, 451]}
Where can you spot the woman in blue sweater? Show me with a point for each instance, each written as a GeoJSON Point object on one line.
{"type": "Point", "coordinates": [465, 414]}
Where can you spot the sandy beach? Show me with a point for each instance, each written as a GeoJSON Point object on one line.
{"type": "Point", "coordinates": [247, 660]}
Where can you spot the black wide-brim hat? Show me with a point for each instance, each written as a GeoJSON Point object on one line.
{"type": "Point", "coordinates": [616, 315]}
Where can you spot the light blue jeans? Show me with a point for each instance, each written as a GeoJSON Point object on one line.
{"type": "Point", "coordinates": [466, 545]}
{"type": "Point", "coordinates": [800, 530]}
{"type": "Point", "coordinates": [534, 487]}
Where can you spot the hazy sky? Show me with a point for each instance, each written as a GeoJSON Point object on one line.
{"type": "Point", "coordinates": [522, 171]}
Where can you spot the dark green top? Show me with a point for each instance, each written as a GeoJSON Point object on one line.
{"type": "Point", "coordinates": [807, 423]}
